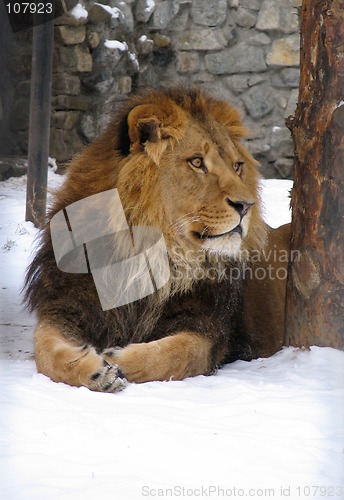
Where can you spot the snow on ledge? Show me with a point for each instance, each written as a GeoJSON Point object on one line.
{"type": "Point", "coordinates": [79, 12]}
{"type": "Point", "coordinates": [114, 11]}
{"type": "Point", "coordinates": [116, 44]}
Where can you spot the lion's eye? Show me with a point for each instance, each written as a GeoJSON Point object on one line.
{"type": "Point", "coordinates": [196, 162]}
{"type": "Point", "coordinates": [238, 166]}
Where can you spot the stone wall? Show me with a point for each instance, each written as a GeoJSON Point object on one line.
{"type": "Point", "coordinates": [245, 51]}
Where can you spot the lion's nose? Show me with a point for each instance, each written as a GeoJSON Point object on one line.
{"type": "Point", "coordinates": [242, 207]}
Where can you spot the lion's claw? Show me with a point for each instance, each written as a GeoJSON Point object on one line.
{"type": "Point", "coordinates": [109, 378]}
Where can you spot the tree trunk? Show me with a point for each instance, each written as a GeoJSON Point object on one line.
{"type": "Point", "coordinates": [315, 288]}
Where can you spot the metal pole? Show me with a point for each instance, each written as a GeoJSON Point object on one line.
{"type": "Point", "coordinates": [39, 127]}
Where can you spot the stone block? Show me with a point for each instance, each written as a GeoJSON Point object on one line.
{"type": "Point", "coordinates": [280, 15]}
{"type": "Point", "coordinates": [68, 102]}
{"type": "Point", "coordinates": [107, 57]}
{"type": "Point", "coordinates": [64, 144]}
{"type": "Point", "coordinates": [287, 77]}
{"type": "Point", "coordinates": [144, 9]}
{"type": "Point", "coordinates": [240, 83]}
{"type": "Point", "coordinates": [87, 127]}
{"type": "Point", "coordinates": [161, 41]}
{"type": "Point", "coordinates": [201, 39]}
{"type": "Point", "coordinates": [127, 20]}
{"type": "Point", "coordinates": [95, 77]}
{"type": "Point", "coordinates": [259, 40]}
{"type": "Point", "coordinates": [242, 58]}
{"type": "Point", "coordinates": [250, 4]}
{"type": "Point", "coordinates": [124, 85]}
{"type": "Point", "coordinates": [258, 101]}
{"type": "Point", "coordinates": [245, 18]}
{"type": "Point", "coordinates": [12, 167]}
{"type": "Point", "coordinates": [162, 15]}
{"type": "Point", "coordinates": [76, 58]}
{"type": "Point", "coordinates": [93, 123]}
{"type": "Point", "coordinates": [188, 62]}
{"type": "Point", "coordinates": [83, 58]}
{"type": "Point", "coordinates": [282, 98]}
{"type": "Point", "coordinates": [63, 83]}
{"type": "Point", "coordinates": [292, 102]}
{"type": "Point", "coordinates": [98, 14]}
{"type": "Point", "coordinates": [284, 167]}
{"type": "Point", "coordinates": [144, 45]}
{"type": "Point", "coordinates": [202, 78]}
{"type": "Point", "coordinates": [285, 52]}
{"type": "Point", "coordinates": [209, 12]}
{"type": "Point", "coordinates": [180, 21]}
{"type": "Point", "coordinates": [281, 143]}
{"type": "Point", "coordinates": [70, 19]}
{"type": "Point", "coordinates": [92, 39]}
{"type": "Point", "coordinates": [258, 148]}
{"type": "Point", "coordinates": [65, 119]}
{"type": "Point", "coordinates": [70, 35]}
{"type": "Point", "coordinates": [280, 135]}
{"type": "Point", "coordinates": [231, 34]}
{"type": "Point", "coordinates": [163, 57]}
{"type": "Point", "coordinates": [105, 86]}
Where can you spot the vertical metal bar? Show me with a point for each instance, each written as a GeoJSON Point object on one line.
{"type": "Point", "coordinates": [39, 126]}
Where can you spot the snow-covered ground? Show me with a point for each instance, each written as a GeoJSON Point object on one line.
{"type": "Point", "coordinates": [271, 428]}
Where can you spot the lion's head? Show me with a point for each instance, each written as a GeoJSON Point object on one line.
{"type": "Point", "coordinates": [176, 159]}
{"type": "Point", "coordinates": [188, 173]}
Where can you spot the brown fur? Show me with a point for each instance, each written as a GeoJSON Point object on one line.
{"type": "Point", "coordinates": [176, 159]}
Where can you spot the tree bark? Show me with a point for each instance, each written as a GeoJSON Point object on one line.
{"type": "Point", "coordinates": [315, 288]}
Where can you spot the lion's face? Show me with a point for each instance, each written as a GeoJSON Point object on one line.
{"type": "Point", "coordinates": [207, 202]}
{"type": "Point", "coordinates": [192, 179]}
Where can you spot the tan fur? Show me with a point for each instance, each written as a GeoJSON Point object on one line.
{"type": "Point", "coordinates": [66, 361]}
{"type": "Point", "coordinates": [171, 358]}
{"type": "Point", "coordinates": [147, 153]}
{"type": "Point", "coordinates": [264, 300]}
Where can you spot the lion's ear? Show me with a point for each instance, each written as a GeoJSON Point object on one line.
{"type": "Point", "coordinates": [144, 125]}
{"type": "Point", "coordinates": [151, 126]}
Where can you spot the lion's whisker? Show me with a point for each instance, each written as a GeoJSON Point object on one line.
{"type": "Point", "coordinates": [183, 217]}
{"type": "Point", "coordinates": [180, 225]}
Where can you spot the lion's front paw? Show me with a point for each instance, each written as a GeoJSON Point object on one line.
{"type": "Point", "coordinates": [111, 352]}
{"type": "Point", "coordinates": [109, 378]}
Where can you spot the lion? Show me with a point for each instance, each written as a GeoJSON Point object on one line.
{"type": "Point", "coordinates": [176, 158]}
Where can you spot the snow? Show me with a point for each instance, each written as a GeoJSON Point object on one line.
{"type": "Point", "coordinates": [115, 44]}
{"type": "Point", "coordinates": [79, 12]}
{"type": "Point", "coordinates": [271, 428]}
{"type": "Point", "coordinates": [115, 12]}
{"type": "Point", "coordinates": [276, 201]}
{"type": "Point", "coordinates": [133, 59]}
{"type": "Point", "coordinates": [150, 6]}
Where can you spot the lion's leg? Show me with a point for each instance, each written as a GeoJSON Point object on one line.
{"type": "Point", "coordinates": [63, 360]}
{"type": "Point", "coordinates": [175, 357]}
